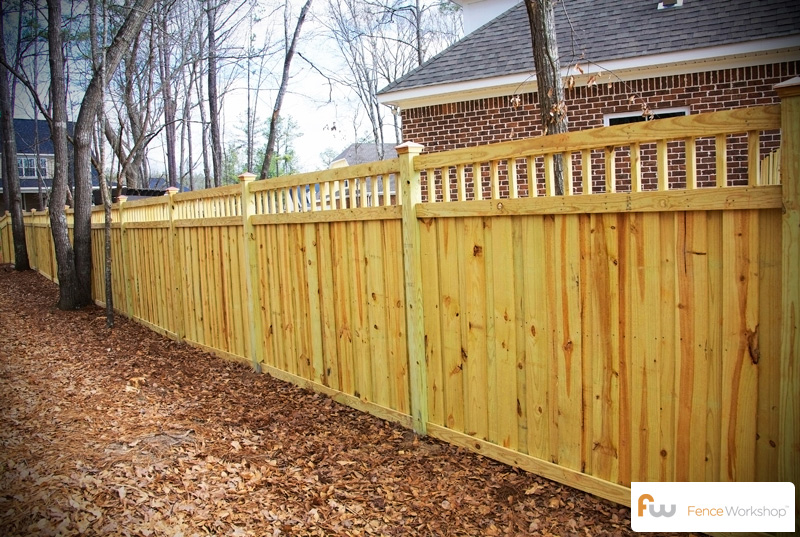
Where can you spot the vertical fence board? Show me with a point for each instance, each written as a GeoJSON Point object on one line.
{"type": "Point", "coordinates": [454, 384]}
{"type": "Point", "coordinates": [376, 312]}
{"type": "Point", "coordinates": [537, 350]}
{"type": "Point", "coordinates": [505, 338]}
{"type": "Point", "coordinates": [714, 352]}
{"type": "Point", "coordinates": [362, 368]}
{"type": "Point", "coordinates": [602, 326]}
{"type": "Point", "coordinates": [431, 303]}
{"type": "Point", "coordinates": [740, 325]}
{"type": "Point", "coordinates": [667, 347]}
{"type": "Point", "coordinates": [568, 342]}
{"type": "Point", "coordinates": [395, 317]}
{"type": "Point", "coordinates": [768, 347]}
{"type": "Point", "coordinates": [475, 319]}
{"type": "Point", "coordinates": [345, 330]}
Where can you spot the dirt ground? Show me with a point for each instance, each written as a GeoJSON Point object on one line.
{"type": "Point", "coordinates": [124, 432]}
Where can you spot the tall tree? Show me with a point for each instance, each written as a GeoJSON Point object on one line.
{"type": "Point", "coordinates": [170, 102]}
{"type": "Point", "coordinates": [65, 260]}
{"type": "Point", "coordinates": [10, 160]}
{"type": "Point", "coordinates": [550, 86]}
{"type": "Point", "coordinates": [84, 127]}
{"type": "Point", "coordinates": [381, 40]}
{"type": "Point", "coordinates": [98, 43]}
{"type": "Point", "coordinates": [291, 47]}
{"type": "Point", "coordinates": [213, 93]}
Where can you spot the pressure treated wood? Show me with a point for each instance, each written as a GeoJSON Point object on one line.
{"type": "Point", "coordinates": [594, 339]}
{"type": "Point", "coordinates": [789, 406]}
{"type": "Point", "coordinates": [592, 336]}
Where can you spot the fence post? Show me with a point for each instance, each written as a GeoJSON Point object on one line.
{"type": "Point", "coordinates": [409, 184]}
{"type": "Point", "coordinates": [256, 340]}
{"type": "Point", "coordinates": [789, 406]}
{"type": "Point", "coordinates": [177, 268]}
{"type": "Point", "coordinates": [30, 242]}
{"type": "Point", "coordinates": [123, 242]}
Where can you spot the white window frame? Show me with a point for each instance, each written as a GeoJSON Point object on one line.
{"type": "Point", "coordinates": [26, 167]}
{"type": "Point", "coordinates": [608, 117]}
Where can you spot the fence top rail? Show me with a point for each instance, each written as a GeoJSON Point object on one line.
{"type": "Point", "coordinates": [209, 193]}
{"type": "Point", "coordinates": [735, 121]}
{"type": "Point", "coordinates": [146, 202]}
{"type": "Point", "coordinates": [370, 169]}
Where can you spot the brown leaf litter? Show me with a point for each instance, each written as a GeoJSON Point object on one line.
{"type": "Point", "coordinates": [125, 432]}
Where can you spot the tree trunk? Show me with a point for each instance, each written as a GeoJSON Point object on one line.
{"type": "Point", "coordinates": [105, 191]}
{"type": "Point", "coordinates": [10, 158]}
{"type": "Point", "coordinates": [65, 261]}
{"type": "Point", "coordinates": [90, 107]}
{"type": "Point", "coordinates": [548, 75]}
{"type": "Point", "coordinates": [276, 110]}
{"type": "Point", "coordinates": [170, 104]}
{"type": "Point", "coordinates": [213, 96]}
{"type": "Point", "coordinates": [187, 121]}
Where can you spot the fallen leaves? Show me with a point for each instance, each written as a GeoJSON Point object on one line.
{"type": "Point", "coordinates": [124, 432]}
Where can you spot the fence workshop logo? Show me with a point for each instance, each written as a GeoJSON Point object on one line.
{"type": "Point", "coordinates": [661, 511]}
{"type": "Point", "coordinates": [713, 507]}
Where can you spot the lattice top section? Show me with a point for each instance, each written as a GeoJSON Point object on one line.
{"type": "Point", "coordinates": [365, 185]}
{"type": "Point", "coordinates": [720, 149]}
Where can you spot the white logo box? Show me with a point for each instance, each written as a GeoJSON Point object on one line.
{"type": "Point", "coordinates": [713, 507]}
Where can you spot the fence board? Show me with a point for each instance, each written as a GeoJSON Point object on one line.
{"type": "Point", "coordinates": [449, 297]}
{"type": "Point", "coordinates": [429, 260]}
{"type": "Point", "coordinates": [505, 350]}
{"type": "Point", "coordinates": [473, 251]}
{"type": "Point", "coordinates": [345, 329]}
{"type": "Point", "coordinates": [768, 347]}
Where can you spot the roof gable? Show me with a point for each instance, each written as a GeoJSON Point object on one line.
{"type": "Point", "coordinates": [603, 30]}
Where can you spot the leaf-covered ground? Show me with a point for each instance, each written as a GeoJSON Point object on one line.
{"type": "Point", "coordinates": [124, 432]}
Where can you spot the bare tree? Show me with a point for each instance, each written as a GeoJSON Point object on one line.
{"type": "Point", "coordinates": [291, 47]}
{"type": "Point", "coordinates": [84, 127]}
{"type": "Point", "coordinates": [170, 103]}
{"type": "Point", "coordinates": [9, 160]}
{"type": "Point", "coordinates": [65, 260]}
{"type": "Point", "coordinates": [550, 87]}
{"type": "Point", "coordinates": [213, 94]}
{"type": "Point", "coordinates": [380, 41]}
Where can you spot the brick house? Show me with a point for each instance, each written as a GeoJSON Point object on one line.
{"type": "Point", "coordinates": [675, 57]}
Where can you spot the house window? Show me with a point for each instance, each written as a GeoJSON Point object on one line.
{"type": "Point", "coordinates": [634, 117]}
{"type": "Point", "coordinates": [26, 167]}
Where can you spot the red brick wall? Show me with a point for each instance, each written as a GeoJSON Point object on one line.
{"type": "Point", "coordinates": [482, 121]}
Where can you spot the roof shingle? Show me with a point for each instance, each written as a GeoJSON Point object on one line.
{"type": "Point", "coordinates": [603, 30]}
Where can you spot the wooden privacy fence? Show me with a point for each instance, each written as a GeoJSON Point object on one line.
{"type": "Point", "coordinates": [628, 332]}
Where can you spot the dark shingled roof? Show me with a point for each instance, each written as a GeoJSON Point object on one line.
{"type": "Point", "coordinates": [605, 30]}
{"type": "Point", "coordinates": [26, 136]}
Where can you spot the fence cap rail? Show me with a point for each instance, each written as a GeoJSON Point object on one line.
{"type": "Point", "coordinates": [209, 193]}
{"type": "Point", "coordinates": [146, 202]}
{"type": "Point", "coordinates": [371, 169]}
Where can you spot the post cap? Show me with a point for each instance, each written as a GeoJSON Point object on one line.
{"type": "Point", "coordinates": [410, 148]}
{"type": "Point", "coordinates": [123, 198]}
{"type": "Point", "coordinates": [788, 88]}
{"type": "Point", "coordinates": [171, 190]}
{"type": "Point", "coordinates": [246, 176]}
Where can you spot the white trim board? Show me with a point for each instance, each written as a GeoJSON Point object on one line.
{"type": "Point", "coordinates": [762, 52]}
